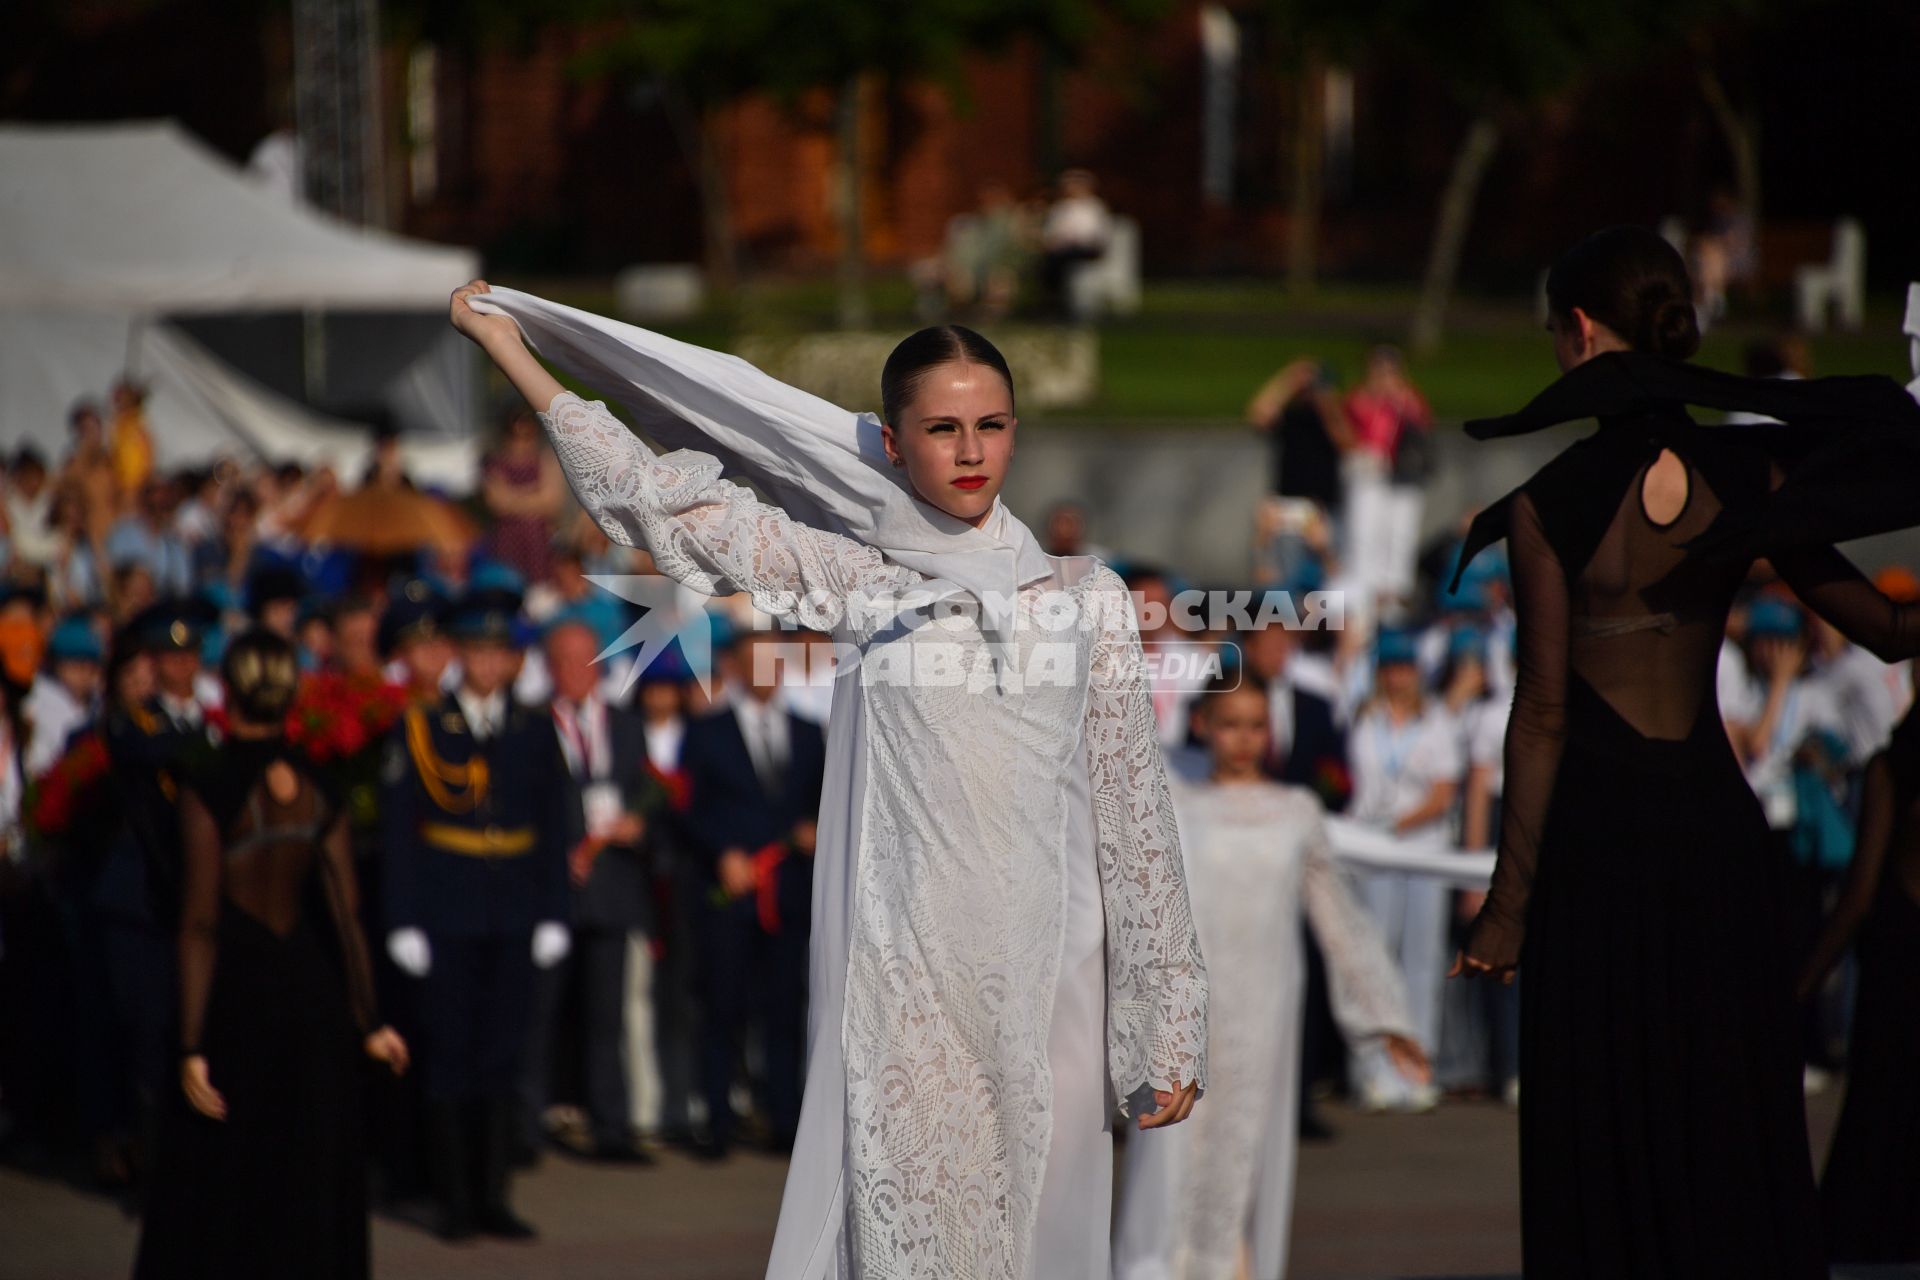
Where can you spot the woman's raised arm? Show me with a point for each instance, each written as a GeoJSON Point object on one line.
{"type": "Point", "coordinates": [702, 530]}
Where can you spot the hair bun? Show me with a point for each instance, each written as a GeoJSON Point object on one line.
{"type": "Point", "coordinates": [1674, 330]}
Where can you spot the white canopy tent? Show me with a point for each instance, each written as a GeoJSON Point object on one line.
{"type": "Point", "coordinates": [109, 232]}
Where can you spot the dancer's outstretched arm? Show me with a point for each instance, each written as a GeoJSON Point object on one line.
{"type": "Point", "coordinates": [707, 532]}
{"type": "Point", "coordinates": [1157, 982]}
{"type": "Point", "coordinates": [1369, 997]}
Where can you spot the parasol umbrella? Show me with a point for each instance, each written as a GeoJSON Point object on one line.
{"type": "Point", "coordinates": [386, 520]}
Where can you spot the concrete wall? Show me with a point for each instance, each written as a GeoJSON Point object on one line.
{"type": "Point", "coordinates": [1184, 494]}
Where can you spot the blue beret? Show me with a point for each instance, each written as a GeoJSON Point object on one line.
{"type": "Point", "coordinates": [491, 575]}
{"type": "Point", "coordinates": [1394, 644]}
{"type": "Point", "coordinates": [1768, 616]}
{"type": "Point", "coordinates": [75, 640]}
{"type": "Point", "coordinates": [1466, 642]}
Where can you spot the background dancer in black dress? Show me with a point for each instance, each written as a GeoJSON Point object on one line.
{"type": "Point", "coordinates": [262, 1170]}
{"type": "Point", "coordinates": [1662, 1121]}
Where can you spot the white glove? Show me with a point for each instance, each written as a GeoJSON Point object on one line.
{"type": "Point", "coordinates": [551, 942]}
{"type": "Point", "coordinates": [409, 950]}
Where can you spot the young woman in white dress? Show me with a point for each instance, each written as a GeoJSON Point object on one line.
{"type": "Point", "coordinates": [1003, 951]}
{"type": "Point", "coordinates": [1257, 857]}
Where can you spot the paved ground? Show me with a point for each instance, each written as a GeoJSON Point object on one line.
{"type": "Point", "coordinates": [1416, 1196]}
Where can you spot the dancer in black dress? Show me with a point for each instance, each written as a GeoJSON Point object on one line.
{"type": "Point", "coordinates": [1871, 1189]}
{"type": "Point", "coordinates": [1662, 1129]}
{"type": "Point", "coordinates": [262, 1171]}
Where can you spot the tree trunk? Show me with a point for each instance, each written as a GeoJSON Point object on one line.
{"type": "Point", "coordinates": [1742, 133]}
{"type": "Point", "coordinates": [1049, 145]}
{"type": "Point", "coordinates": [853, 288]}
{"type": "Point", "coordinates": [716, 211]}
{"type": "Point", "coordinates": [1309, 137]}
{"type": "Point", "coordinates": [698, 135]}
{"type": "Point", "coordinates": [1470, 165]}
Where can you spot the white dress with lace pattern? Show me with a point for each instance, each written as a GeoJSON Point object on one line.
{"type": "Point", "coordinates": [1256, 856]}
{"type": "Point", "coordinates": [1002, 945]}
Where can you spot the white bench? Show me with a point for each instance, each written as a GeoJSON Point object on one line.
{"type": "Point", "coordinates": [1839, 284]}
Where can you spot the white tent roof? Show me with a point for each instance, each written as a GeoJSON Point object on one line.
{"type": "Point", "coordinates": [142, 218]}
{"type": "Point", "coordinates": [199, 407]}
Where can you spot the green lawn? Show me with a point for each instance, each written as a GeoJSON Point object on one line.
{"type": "Point", "coordinates": [1198, 349]}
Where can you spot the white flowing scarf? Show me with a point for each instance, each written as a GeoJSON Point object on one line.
{"type": "Point", "coordinates": [824, 465]}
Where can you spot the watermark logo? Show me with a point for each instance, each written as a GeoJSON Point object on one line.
{"type": "Point", "coordinates": [658, 628]}
{"type": "Point", "coordinates": [1218, 615]}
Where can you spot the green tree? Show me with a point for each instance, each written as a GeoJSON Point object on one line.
{"type": "Point", "coordinates": [708, 53]}
{"type": "Point", "coordinates": [1503, 57]}
{"type": "Point", "coordinates": [1500, 57]}
{"type": "Point", "coordinates": [1311, 36]}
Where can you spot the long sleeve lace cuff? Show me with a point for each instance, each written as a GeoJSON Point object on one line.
{"type": "Point", "coordinates": [1157, 981]}
{"type": "Point", "coordinates": [704, 531]}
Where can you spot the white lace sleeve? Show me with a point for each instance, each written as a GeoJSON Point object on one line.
{"type": "Point", "coordinates": [1363, 983]}
{"type": "Point", "coordinates": [704, 531]}
{"type": "Point", "coordinates": [1156, 979]}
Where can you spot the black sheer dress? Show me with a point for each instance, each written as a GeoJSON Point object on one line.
{"type": "Point", "coordinates": [1872, 1185]}
{"type": "Point", "coordinates": [1661, 1115]}
{"type": "Point", "coordinates": [276, 993]}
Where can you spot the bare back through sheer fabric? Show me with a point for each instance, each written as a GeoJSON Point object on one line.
{"type": "Point", "coordinates": [1645, 618]}
{"type": "Point", "coordinates": [261, 856]}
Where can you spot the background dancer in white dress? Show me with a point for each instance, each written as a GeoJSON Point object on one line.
{"type": "Point", "coordinates": [1003, 949]}
{"type": "Point", "coordinates": [1256, 855]}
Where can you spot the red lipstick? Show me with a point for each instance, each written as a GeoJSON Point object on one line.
{"type": "Point", "coordinates": [969, 482]}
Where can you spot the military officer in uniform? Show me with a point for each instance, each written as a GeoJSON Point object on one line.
{"type": "Point", "coordinates": [413, 639]}
{"type": "Point", "coordinates": [413, 642]}
{"type": "Point", "coordinates": [476, 892]}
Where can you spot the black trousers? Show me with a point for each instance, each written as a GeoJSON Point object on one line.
{"type": "Point", "coordinates": [747, 980]}
{"type": "Point", "coordinates": [593, 981]}
{"type": "Point", "coordinates": [476, 1015]}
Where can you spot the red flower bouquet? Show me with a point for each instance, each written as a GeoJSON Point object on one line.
{"type": "Point", "coordinates": [677, 790]}
{"type": "Point", "coordinates": [337, 722]}
{"type": "Point", "coordinates": [336, 717]}
{"type": "Point", "coordinates": [69, 787]}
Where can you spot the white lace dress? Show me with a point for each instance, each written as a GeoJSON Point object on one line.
{"type": "Point", "coordinates": [1256, 856]}
{"type": "Point", "coordinates": [982, 834]}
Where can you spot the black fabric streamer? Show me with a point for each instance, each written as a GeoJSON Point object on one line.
{"type": "Point", "coordinates": [1849, 448]}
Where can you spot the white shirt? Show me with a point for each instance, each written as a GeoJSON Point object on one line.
{"type": "Point", "coordinates": [55, 714]}
{"type": "Point", "coordinates": [485, 716]}
{"type": "Point", "coordinates": [1487, 739]}
{"type": "Point", "coordinates": [1280, 717]}
{"type": "Point", "coordinates": [1316, 674]}
{"type": "Point", "coordinates": [663, 742]}
{"type": "Point", "coordinates": [584, 736]}
{"type": "Point", "coordinates": [1080, 222]}
{"type": "Point", "coordinates": [1807, 706]}
{"type": "Point", "coordinates": [32, 540]}
{"type": "Point", "coordinates": [1867, 696]}
{"type": "Point", "coordinates": [12, 794]}
{"type": "Point", "coordinates": [184, 712]}
{"type": "Point", "coordinates": [1395, 766]}
{"type": "Point", "coordinates": [1733, 686]}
